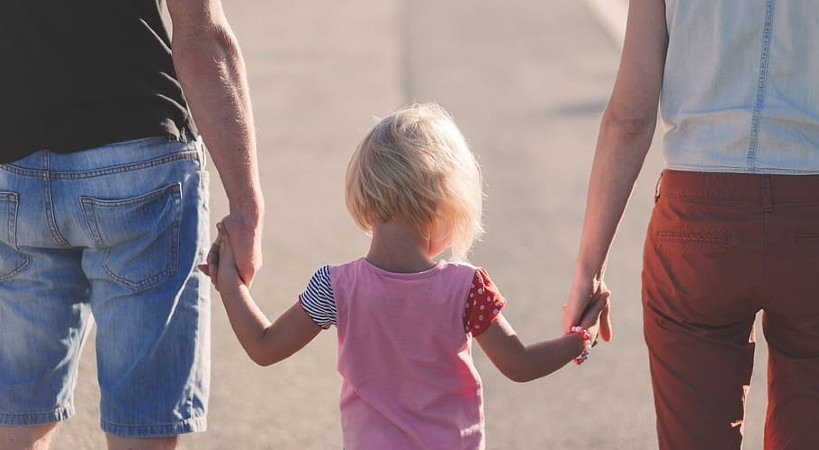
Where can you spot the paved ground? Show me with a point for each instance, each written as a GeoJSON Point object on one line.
{"type": "Point", "coordinates": [526, 81]}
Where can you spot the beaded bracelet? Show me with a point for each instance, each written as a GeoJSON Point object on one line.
{"type": "Point", "coordinates": [587, 343]}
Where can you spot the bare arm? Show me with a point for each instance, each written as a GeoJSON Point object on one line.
{"type": "Point", "coordinates": [523, 363]}
{"type": "Point", "coordinates": [212, 73]}
{"type": "Point", "coordinates": [265, 343]}
{"type": "Point", "coordinates": [625, 136]}
{"type": "Point", "coordinates": [520, 362]}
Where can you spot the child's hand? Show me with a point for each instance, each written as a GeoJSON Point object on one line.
{"type": "Point", "coordinates": [221, 264]}
{"type": "Point", "coordinates": [599, 306]}
{"type": "Point", "coordinates": [211, 265]}
{"type": "Point", "coordinates": [227, 274]}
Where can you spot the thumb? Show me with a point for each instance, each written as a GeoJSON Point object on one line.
{"type": "Point", "coordinates": [605, 323]}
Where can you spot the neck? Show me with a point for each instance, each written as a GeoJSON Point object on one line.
{"type": "Point", "coordinates": [397, 247]}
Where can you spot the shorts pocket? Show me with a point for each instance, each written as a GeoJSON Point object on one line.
{"type": "Point", "coordinates": [139, 235]}
{"type": "Point", "coordinates": [12, 261]}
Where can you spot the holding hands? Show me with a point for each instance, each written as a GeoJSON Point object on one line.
{"type": "Point", "coordinates": [589, 306]}
{"type": "Point", "coordinates": [243, 233]}
{"type": "Point", "coordinates": [590, 324]}
{"type": "Point", "coordinates": [221, 265]}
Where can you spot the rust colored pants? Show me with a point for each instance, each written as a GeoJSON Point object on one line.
{"type": "Point", "coordinates": [720, 248]}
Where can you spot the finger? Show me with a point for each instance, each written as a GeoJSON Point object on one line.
{"type": "Point", "coordinates": [245, 249]}
{"type": "Point", "coordinates": [564, 314]}
{"type": "Point", "coordinates": [572, 312]}
{"type": "Point", "coordinates": [242, 252]}
{"type": "Point", "coordinates": [605, 323]}
{"type": "Point", "coordinates": [226, 246]}
{"type": "Point", "coordinates": [212, 260]}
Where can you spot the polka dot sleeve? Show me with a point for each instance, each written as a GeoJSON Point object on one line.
{"type": "Point", "coordinates": [483, 305]}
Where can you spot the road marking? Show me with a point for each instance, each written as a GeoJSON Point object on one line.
{"type": "Point", "coordinates": [612, 15]}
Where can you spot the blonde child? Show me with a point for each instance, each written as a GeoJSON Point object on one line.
{"type": "Point", "coordinates": [405, 319]}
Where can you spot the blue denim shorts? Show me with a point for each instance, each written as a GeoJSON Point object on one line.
{"type": "Point", "coordinates": [111, 236]}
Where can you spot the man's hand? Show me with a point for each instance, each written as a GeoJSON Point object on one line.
{"type": "Point", "coordinates": [246, 242]}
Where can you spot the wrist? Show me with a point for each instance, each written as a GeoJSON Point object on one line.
{"type": "Point", "coordinates": [584, 343]}
{"type": "Point", "coordinates": [583, 271]}
{"type": "Point", "coordinates": [249, 209]}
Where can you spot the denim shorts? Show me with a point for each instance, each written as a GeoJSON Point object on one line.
{"type": "Point", "coordinates": [111, 236]}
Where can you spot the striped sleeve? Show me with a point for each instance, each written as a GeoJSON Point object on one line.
{"type": "Point", "coordinates": [317, 299]}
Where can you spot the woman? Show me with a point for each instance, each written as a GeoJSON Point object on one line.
{"type": "Point", "coordinates": [735, 228]}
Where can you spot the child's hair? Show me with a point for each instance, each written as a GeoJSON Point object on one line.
{"type": "Point", "coordinates": [415, 166]}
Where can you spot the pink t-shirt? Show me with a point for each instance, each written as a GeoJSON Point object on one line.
{"type": "Point", "coordinates": [405, 353]}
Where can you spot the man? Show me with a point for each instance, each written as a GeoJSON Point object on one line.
{"type": "Point", "coordinates": [103, 210]}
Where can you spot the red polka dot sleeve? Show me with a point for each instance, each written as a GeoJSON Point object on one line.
{"type": "Point", "coordinates": [483, 304]}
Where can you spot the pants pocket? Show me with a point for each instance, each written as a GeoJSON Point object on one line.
{"type": "Point", "coordinates": [12, 261]}
{"type": "Point", "coordinates": [139, 236]}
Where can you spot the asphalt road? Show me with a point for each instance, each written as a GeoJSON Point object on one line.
{"type": "Point", "coordinates": [526, 82]}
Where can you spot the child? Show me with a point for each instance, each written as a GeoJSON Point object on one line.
{"type": "Point", "coordinates": [405, 320]}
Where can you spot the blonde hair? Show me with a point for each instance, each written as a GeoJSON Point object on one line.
{"type": "Point", "coordinates": [415, 166]}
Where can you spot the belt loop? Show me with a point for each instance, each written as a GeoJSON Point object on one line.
{"type": "Point", "coordinates": [657, 187]}
{"type": "Point", "coordinates": [767, 198]}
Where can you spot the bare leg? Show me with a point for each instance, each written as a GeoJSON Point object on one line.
{"type": "Point", "coordinates": [37, 437]}
{"type": "Point", "coordinates": [119, 443]}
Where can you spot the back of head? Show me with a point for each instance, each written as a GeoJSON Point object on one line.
{"type": "Point", "coordinates": [415, 167]}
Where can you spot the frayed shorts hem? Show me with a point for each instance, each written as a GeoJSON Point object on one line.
{"type": "Point", "coordinates": [155, 431]}
{"type": "Point", "coordinates": [41, 418]}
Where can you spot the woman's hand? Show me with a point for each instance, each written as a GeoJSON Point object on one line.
{"type": "Point", "coordinates": [589, 305]}
{"type": "Point", "coordinates": [595, 318]}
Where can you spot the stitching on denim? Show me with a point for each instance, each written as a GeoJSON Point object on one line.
{"type": "Point", "coordinates": [12, 199]}
{"type": "Point", "coordinates": [165, 424]}
{"type": "Point", "coordinates": [58, 410]}
{"type": "Point", "coordinates": [11, 214]}
{"type": "Point", "coordinates": [48, 204]}
{"type": "Point", "coordinates": [100, 172]}
{"type": "Point", "coordinates": [89, 206]}
{"type": "Point", "coordinates": [761, 84]}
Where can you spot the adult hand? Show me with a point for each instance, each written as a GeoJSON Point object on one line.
{"type": "Point", "coordinates": [228, 281]}
{"type": "Point", "coordinates": [245, 237]}
{"type": "Point", "coordinates": [581, 296]}
{"type": "Point", "coordinates": [597, 313]}
{"type": "Point", "coordinates": [245, 234]}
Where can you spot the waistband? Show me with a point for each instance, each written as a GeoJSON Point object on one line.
{"type": "Point", "coordinates": [108, 158]}
{"type": "Point", "coordinates": [742, 187]}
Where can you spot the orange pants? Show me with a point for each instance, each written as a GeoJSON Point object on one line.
{"type": "Point", "coordinates": [721, 247]}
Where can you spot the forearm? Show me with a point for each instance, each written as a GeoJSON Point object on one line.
{"type": "Point", "coordinates": [267, 343]}
{"type": "Point", "coordinates": [621, 150]}
{"type": "Point", "coordinates": [625, 133]}
{"type": "Point", "coordinates": [521, 362]}
{"type": "Point", "coordinates": [541, 359]}
{"type": "Point", "coordinates": [249, 323]}
{"type": "Point", "coordinates": [212, 73]}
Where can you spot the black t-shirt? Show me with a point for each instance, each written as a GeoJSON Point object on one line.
{"type": "Point", "coordinates": [78, 74]}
